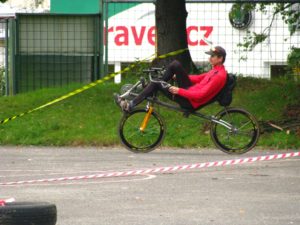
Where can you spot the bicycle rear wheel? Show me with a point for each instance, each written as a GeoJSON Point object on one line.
{"type": "Point", "coordinates": [136, 140]}
{"type": "Point", "coordinates": [243, 135]}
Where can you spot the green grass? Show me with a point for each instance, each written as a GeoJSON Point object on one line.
{"type": "Point", "coordinates": [91, 118]}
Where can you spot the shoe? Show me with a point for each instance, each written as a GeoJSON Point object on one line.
{"type": "Point", "coordinates": [117, 99]}
{"type": "Point", "coordinates": [122, 103]}
{"type": "Point", "coordinates": [126, 106]}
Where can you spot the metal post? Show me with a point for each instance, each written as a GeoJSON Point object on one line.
{"type": "Point", "coordinates": [101, 39]}
{"type": "Point", "coordinates": [117, 69]}
{"type": "Point", "coordinates": [99, 47]}
{"type": "Point", "coordinates": [106, 36]}
{"type": "Point", "coordinates": [6, 59]}
{"type": "Point", "coordinates": [12, 46]}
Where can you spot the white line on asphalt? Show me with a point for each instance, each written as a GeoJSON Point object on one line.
{"type": "Point", "coordinates": [81, 182]}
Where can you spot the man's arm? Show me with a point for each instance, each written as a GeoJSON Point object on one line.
{"type": "Point", "coordinates": [196, 78]}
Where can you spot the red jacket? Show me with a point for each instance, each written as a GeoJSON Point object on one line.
{"type": "Point", "coordinates": [205, 86]}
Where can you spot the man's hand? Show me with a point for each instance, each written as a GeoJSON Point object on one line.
{"type": "Point", "coordinates": [174, 90]}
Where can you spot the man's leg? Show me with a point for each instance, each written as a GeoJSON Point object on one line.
{"type": "Point", "coordinates": [182, 77]}
{"type": "Point", "coordinates": [174, 68]}
{"type": "Point", "coordinates": [183, 102]}
{"type": "Point", "coordinates": [148, 91]}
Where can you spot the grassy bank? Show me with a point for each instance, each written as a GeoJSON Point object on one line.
{"type": "Point", "coordinates": [91, 118]}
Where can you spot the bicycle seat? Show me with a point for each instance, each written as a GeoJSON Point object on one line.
{"type": "Point", "coordinates": [187, 112]}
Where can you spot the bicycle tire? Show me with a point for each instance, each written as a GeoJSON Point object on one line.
{"type": "Point", "coordinates": [253, 133]}
{"type": "Point", "coordinates": [140, 146]}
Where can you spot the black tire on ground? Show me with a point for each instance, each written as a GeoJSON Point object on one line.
{"type": "Point", "coordinates": [28, 213]}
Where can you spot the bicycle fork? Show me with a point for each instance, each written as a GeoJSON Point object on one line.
{"type": "Point", "coordinates": [146, 119]}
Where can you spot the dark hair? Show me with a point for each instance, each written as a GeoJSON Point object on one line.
{"type": "Point", "coordinates": [224, 57]}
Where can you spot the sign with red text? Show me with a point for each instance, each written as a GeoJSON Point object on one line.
{"type": "Point", "coordinates": [131, 36]}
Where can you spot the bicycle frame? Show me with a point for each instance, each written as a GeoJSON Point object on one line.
{"type": "Point", "coordinates": [187, 112]}
{"type": "Point", "coordinates": [154, 100]}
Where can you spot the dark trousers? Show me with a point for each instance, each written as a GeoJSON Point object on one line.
{"type": "Point", "coordinates": [183, 81]}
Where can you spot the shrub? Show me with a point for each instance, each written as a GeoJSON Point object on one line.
{"type": "Point", "coordinates": [293, 61]}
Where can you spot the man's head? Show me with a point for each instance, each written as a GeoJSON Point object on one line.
{"type": "Point", "coordinates": [217, 55]}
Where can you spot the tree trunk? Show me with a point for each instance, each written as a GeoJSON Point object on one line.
{"type": "Point", "coordinates": [170, 18]}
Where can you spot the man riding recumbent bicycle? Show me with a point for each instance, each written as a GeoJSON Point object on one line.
{"type": "Point", "coordinates": [233, 130]}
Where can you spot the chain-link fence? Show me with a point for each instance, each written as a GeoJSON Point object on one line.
{"type": "Point", "coordinates": [53, 50]}
{"type": "Point", "coordinates": [131, 34]}
{"type": "Point", "coordinates": [46, 50]}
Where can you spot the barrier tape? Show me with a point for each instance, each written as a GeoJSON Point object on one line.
{"type": "Point", "coordinates": [3, 202]}
{"type": "Point", "coordinates": [93, 84]}
{"type": "Point", "coordinates": [159, 170]}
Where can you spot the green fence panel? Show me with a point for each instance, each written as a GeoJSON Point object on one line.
{"type": "Point", "coordinates": [54, 50]}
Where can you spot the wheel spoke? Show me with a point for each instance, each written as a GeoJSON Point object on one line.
{"type": "Point", "coordinates": [132, 135]}
{"type": "Point", "coordinates": [246, 133]}
{"type": "Point", "coordinates": [244, 125]}
{"type": "Point", "coordinates": [241, 138]}
{"type": "Point", "coordinates": [235, 141]}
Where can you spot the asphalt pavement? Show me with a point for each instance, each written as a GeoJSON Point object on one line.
{"type": "Point", "coordinates": [254, 193]}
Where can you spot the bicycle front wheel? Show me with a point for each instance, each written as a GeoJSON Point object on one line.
{"type": "Point", "coordinates": [140, 140]}
{"type": "Point", "coordinates": [242, 136]}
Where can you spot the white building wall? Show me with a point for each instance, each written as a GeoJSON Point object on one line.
{"type": "Point", "coordinates": [29, 5]}
{"type": "Point", "coordinates": [9, 8]}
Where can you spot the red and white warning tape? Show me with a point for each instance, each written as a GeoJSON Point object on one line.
{"type": "Point", "coordinates": [4, 201]}
{"type": "Point", "coordinates": [159, 170]}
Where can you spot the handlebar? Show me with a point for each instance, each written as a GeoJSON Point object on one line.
{"type": "Point", "coordinates": [154, 69]}
{"type": "Point", "coordinates": [164, 84]}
